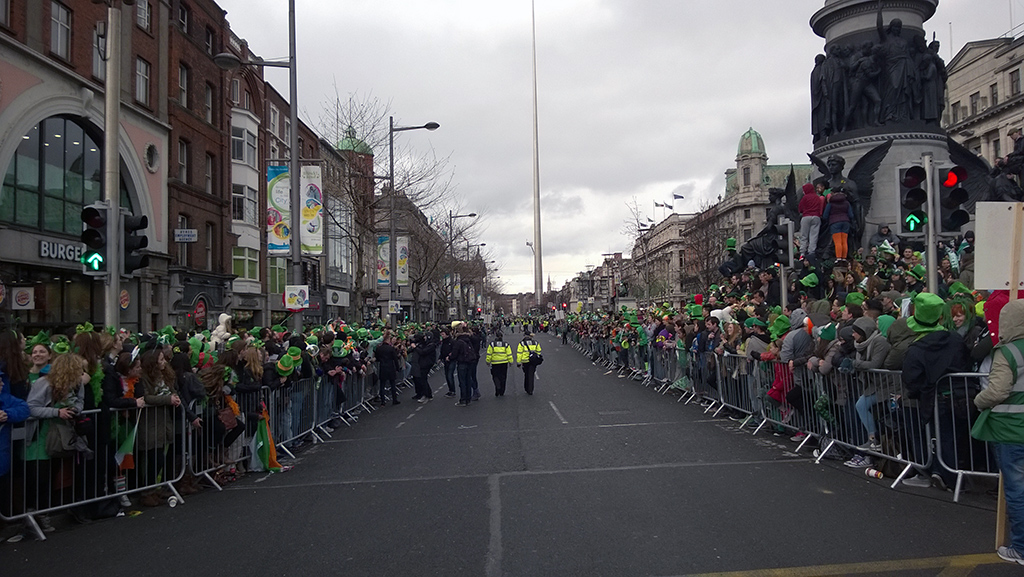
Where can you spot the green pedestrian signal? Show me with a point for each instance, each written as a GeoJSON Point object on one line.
{"type": "Point", "coordinates": [915, 221]}
{"type": "Point", "coordinates": [93, 260]}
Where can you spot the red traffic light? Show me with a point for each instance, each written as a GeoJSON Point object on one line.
{"type": "Point", "coordinates": [955, 176]}
{"type": "Point", "coordinates": [94, 217]}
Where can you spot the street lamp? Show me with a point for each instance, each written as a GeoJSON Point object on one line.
{"type": "Point", "coordinates": [228, 61]}
{"type": "Point", "coordinates": [392, 241]}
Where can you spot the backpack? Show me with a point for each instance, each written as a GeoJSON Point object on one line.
{"type": "Point", "coordinates": [534, 358]}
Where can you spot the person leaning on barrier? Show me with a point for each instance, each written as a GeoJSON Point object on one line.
{"type": "Point", "coordinates": [1002, 421]}
{"type": "Point", "coordinates": [12, 411]}
{"type": "Point", "coordinates": [935, 352]}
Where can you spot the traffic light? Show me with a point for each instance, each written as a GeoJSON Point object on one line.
{"type": "Point", "coordinates": [132, 241]}
{"type": "Point", "coordinates": [94, 237]}
{"type": "Point", "coordinates": [951, 197]}
{"type": "Point", "coordinates": [784, 243]}
{"type": "Point", "coordinates": [913, 198]}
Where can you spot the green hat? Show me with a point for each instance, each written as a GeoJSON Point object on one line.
{"type": "Point", "coordinates": [695, 311]}
{"type": "Point", "coordinates": [713, 288]}
{"type": "Point", "coordinates": [779, 327]}
{"type": "Point", "coordinates": [285, 366]}
{"type": "Point", "coordinates": [928, 309]}
{"type": "Point", "coordinates": [918, 272]}
{"type": "Point", "coordinates": [886, 248]}
{"type": "Point", "coordinates": [41, 338]}
{"type": "Point", "coordinates": [257, 344]}
{"type": "Point", "coordinates": [362, 334]}
{"type": "Point", "coordinates": [338, 349]}
{"type": "Point", "coordinates": [884, 322]}
{"type": "Point", "coordinates": [959, 288]}
{"type": "Point", "coordinates": [232, 340]}
{"type": "Point", "coordinates": [730, 243]}
{"type": "Point", "coordinates": [312, 340]}
{"type": "Point", "coordinates": [828, 332]}
{"type": "Point", "coordinates": [375, 333]}
{"type": "Point", "coordinates": [810, 281]}
{"type": "Point", "coordinates": [255, 331]}
{"type": "Point", "coordinates": [856, 298]}
{"type": "Point", "coordinates": [295, 353]}
{"type": "Point", "coordinates": [754, 322]}
{"type": "Point", "coordinates": [277, 329]}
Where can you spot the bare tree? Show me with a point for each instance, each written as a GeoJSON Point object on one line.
{"type": "Point", "coordinates": [645, 283]}
{"type": "Point", "coordinates": [704, 248]}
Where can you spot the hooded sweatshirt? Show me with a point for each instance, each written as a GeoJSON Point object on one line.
{"type": "Point", "coordinates": [798, 345]}
{"type": "Point", "coordinates": [928, 358]}
{"type": "Point", "coordinates": [1001, 378]}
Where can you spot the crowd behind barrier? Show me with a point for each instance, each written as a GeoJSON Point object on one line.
{"type": "Point", "coordinates": [827, 411]}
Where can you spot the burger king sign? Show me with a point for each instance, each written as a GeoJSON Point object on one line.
{"type": "Point", "coordinates": [23, 298]}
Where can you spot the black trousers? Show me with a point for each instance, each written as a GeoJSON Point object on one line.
{"type": "Point", "coordinates": [500, 374]}
{"type": "Point", "coordinates": [529, 372]}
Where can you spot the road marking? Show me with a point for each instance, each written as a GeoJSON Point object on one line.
{"type": "Point", "coordinates": [468, 426]}
{"type": "Point", "coordinates": [627, 425]}
{"type": "Point", "coordinates": [613, 412]}
{"type": "Point", "coordinates": [411, 415]}
{"type": "Point", "coordinates": [494, 551]}
{"type": "Point", "coordinates": [418, 409]}
{"type": "Point", "coordinates": [399, 425]}
{"type": "Point", "coordinates": [626, 468]}
{"type": "Point", "coordinates": [560, 417]}
{"type": "Point", "coordinates": [950, 565]}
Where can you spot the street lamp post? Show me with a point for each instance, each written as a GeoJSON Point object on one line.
{"type": "Point", "coordinates": [228, 61]}
{"type": "Point", "coordinates": [392, 241]}
{"type": "Point", "coordinates": [451, 246]}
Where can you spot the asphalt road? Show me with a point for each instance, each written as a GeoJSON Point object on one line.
{"type": "Point", "coordinates": [593, 475]}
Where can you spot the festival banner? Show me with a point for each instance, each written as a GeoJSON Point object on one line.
{"type": "Point", "coordinates": [403, 260]}
{"type": "Point", "coordinates": [312, 233]}
{"type": "Point", "coordinates": [383, 260]}
{"type": "Point", "coordinates": [458, 287]}
{"type": "Point", "coordinates": [279, 216]}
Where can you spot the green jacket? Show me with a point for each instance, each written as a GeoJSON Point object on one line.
{"type": "Point", "coordinates": [1002, 402]}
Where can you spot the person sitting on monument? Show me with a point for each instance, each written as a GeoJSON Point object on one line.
{"type": "Point", "coordinates": [839, 216]}
{"type": "Point", "coordinates": [884, 234]}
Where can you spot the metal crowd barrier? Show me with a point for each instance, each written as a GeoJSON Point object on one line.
{"type": "Point", "coordinates": [97, 462]}
{"type": "Point", "coordinates": [838, 409]}
{"type": "Point", "coordinates": [213, 446]}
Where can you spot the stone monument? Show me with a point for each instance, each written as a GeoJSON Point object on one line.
{"type": "Point", "coordinates": [878, 80]}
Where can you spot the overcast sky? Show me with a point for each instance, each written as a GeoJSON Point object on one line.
{"type": "Point", "coordinates": [637, 98]}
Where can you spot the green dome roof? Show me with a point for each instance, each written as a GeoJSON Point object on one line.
{"type": "Point", "coordinates": [353, 144]}
{"type": "Point", "coordinates": [751, 143]}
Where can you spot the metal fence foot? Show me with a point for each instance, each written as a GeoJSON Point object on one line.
{"type": "Point", "coordinates": [900, 476]}
{"type": "Point", "coordinates": [760, 426]}
{"type": "Point", "coordinates": [823, 452]}
{"type": "Point", "coordinates": [959, 485]}
{"type": "Point", "coordinates": [807, 437]}
{"type": "Point", "coordinates": [284, 449]}
{"type": "Point", "coordinates": [210, 479]}
{"type": "Point", "coordinates": [35, 527]}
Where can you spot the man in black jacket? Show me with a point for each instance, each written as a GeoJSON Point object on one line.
{"type": "Point", "coordinates": [465, 356]}
{"type": "Point", "coordinates": [425, 350]}
{"type": "Point", "coordinates": [935, 353]}
{"type": "Point", "coordinates": [387, 359]}
{"type": "Point", "coordinates": [447, 342]}
{"type": "Point", "coordinates": [477, 338]}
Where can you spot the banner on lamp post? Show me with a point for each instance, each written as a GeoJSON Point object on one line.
{"type": "Point", "coordinates": [403, 260]}
{"type": "Point", "coordinates": [279, 214]}
{"type": "Point", "coordinates": [383, 258]}
{"type": "Point", "coordinates": [312, 234]}
{"type": "Point", "coordinates": [296, 297]}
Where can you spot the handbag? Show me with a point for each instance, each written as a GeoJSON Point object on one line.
{"type": "Point", "coordinates": [60, 439]}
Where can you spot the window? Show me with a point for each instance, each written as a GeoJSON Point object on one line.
{"type": "Point", "coordinates": [209, 246]}
{"type": "Point", "coordinates": [274, 152]}
{"type": "Point", "coordinates": [5, 12]}
{"type": "Point", "coordinates": [247, 102]}
{"type": "Point", "coordinates": [183, 153]}
{"type": "Point", "coordinates": [208, 104]}
{"type": "Point", "coordinates": [143, 14]}
{"type": "Point", "coordinates": [237, 143]}
{"type": "Point", "coordinates": [60, 30]}
{"type": "Point", "coordinates": [209, 173]}
{"type": "Point", "coordinates": [1015, 82]}
{"type": "Point", "coordinates": [975, 100]}
{"type": "Point", "coordinates": [246, 263]}
{"type": "Point", "coordinates": [287, 130]}
{"type": "Point", "coordinates": [99, 65]}
{"type": "Point", "coordinates": [747, 233]}
{"type": "Point", "coordinates": [184, 15]}
{"type": "Point", "coordinates": [183, 246]}
{"type": "Point", "coordinates": [142, 69]}
{"type": "Point", "coordinates": [245, 204]}
{"type": "Point", "coordinates": [746, 214]}
{"type": "Point", "coordinates": [997, 148]}
{"type": "Point", "coordinates": [55, 171]}
{"type": "Point", "coordinates": [277, 275]}
{"type": "Point", "coordinates": [234, 90]}
{"type": "Point", "coordinates": [993, 92]}
{"type": "Point", "coordinates": [250, 149]}
{"type": "Point", "coordinates": [746, 176]}
{"type": "Point", "coordinates": [956, 112]}
{"type": "Point", "coordinates": [273, 120]}
{"type": "Point", "coordinates": [211, 41]}
{"type": "Point", "coordinates": [183, 85]}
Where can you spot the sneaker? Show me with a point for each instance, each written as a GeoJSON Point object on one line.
{"type": "Point", "coordinates": [871, 445]}
{"type": "Point", "coordinates": [1005, 553]}
{"type": "Point", "coordinates": [461, 404]}
{"type": "Point", "coordinates": [124, 501]}
{"type": "Point", "coordinates": [798, 437]}
{"type": "Point", "coordinates": [919, 481]}
{"type": "Point", "coordinates": [858, 461]}
{"type": "Point", "coordinates": [422, 400]}
{"type": "Point", "coordinates": [450, 394]}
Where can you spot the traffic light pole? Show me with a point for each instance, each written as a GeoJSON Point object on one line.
{"type": "Point", "coordinates": [111, 166]}
{"type": "Point", "coordinates": [934, 212]}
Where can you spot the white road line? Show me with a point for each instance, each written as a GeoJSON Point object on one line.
{"type": "Point", "coordinates": [419, 409]}
{"type": "Point", "coordinates": [627, 425]}
{"type": "Point", "coordinates": [557, 412]}
{"type": "Point", "coordinates": [399, 425]}
{"type": "Point", "coordinates": [410, 416]}
{"type": "Point", "coordinates": [494, 550]}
